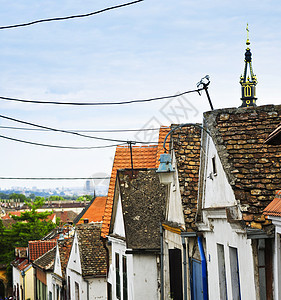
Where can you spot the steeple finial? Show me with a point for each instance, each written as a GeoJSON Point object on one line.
{"type": "Point", "coordinates": [248, 40]}
{"type": "Point", "coordinates": [248, 80]}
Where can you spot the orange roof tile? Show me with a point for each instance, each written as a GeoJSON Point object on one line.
{"type": "Point", "coordinates": [38, 248]}
{"type": "Point", "coordinates": [143, 157]}
{"type": "Point", "coordinates": [274, 207]}
{"type": "Point", "coordinates": [163, 131]}
{"type": "Point", "coordinates": [96, 210]}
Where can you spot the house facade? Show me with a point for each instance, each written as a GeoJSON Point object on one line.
{"type": "Point", "coordinates": [134, 236]}
{"type": "Point", "coordinates": [238, 178]}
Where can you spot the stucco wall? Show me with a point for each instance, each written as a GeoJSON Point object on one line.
{"type": "Point", "coordinates": [223, 234]}
{"type": "Point", "coordinates": [97, 289]}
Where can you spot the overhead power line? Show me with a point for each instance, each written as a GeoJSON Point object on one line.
{"type": "Point", "coordinates": [70, 17]}
{"type": "Point", "coordinates": [86, 130]}
{"type": "Point", "coordinates": [56, 146]}
{"type": "Point", "coordinates": [53, 178]}
{"type": "Point", "coordinates": [99, 103]}
{"type": "Point", "coordinates": [70, 132]}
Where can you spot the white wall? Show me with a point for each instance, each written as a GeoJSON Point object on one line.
{"type": "Point", "coordinates": [145, 277]}
{"type": "Point", "coordinates": [97, 289]}
{"type": "Point", "coordinates": [218, 191]}
{"type": "Point", "coordinates": [224, 235]}
{"type": "Point", "coordinates": [119, 227]}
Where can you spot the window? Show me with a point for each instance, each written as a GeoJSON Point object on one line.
{"type": "Point", "coordinates": [214, 166]}
{"type": "Point", "coordinates": [222, 274]}
{"type": "Point", "coordinates": [234, 269]}
{"type": "Point", "coordinates": [68, 288]}
{"type": "Point", "coordinates": [117, 275]}
{"type": "Point", "coordinates": [175, 268]}
{"type": "Point", "coordinates": [125, 280]}
{"type": "Point", "coordinates": [76, 291]}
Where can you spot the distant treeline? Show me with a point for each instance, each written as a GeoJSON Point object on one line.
{"type": "Point", "coordinates": [22, 198]}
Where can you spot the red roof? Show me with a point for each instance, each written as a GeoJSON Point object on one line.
{"type": "Point", "coordinates": [18, 214]}
{"type": "Point", "coordinates": [274, 207]}
{"type": "Point", "coordinates": [38, 248]}
{"type": "Point", "coordinates": [96, 211]}
{"type": "Point", "coordinates": [143, 157]}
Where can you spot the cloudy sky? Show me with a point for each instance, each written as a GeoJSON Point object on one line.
{"type": "Point", "coordinates": [151, 49]}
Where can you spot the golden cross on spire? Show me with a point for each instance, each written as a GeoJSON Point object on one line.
{"type": "Point", "coordinates": [248, 41]}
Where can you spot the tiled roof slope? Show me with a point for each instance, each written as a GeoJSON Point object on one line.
{"type": "Point", "coordinates": [252, 168]}
{"type": "Point", "coordinates": [64, 250]}
{"type": "Point", "coordinates": [92, 252]}
{"type": "Point", "coordinates": [46, 261]}
{"type": "Point", "coordinates": [274, 207]}
{"type": "Point", "coordinates": [95, 211]}
{"type": "Point", "coordinates": [143, 157]}
{"type": "Point", "coordinates": [186, 144]}
{"type": "Point", "coordinates": [143, 206]}
{"type": "Point", "coordinates": [163, 131]}
{"type": "Point", "coordinates": [38, 248]}
{"type": "Point", "coordinates": [275, 137]}
{"type": "Point", "coordinates": [66, 216]}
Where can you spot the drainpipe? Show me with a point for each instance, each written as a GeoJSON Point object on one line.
{"type": "Point", "coordinates": [184, 268]}
{"type": "Point", "coordinates": [204, 268]}
{"type": "Point", "coordinates": [161, 264]}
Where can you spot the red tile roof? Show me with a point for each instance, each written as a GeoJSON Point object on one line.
{"type": "Point", "coordinates": [95, 212]}
{"type": "Point", "coordinates": [38, 248]}
{"type": "Point", "coordinates": [274, 207]}
{"type": "Point", "coordinates": [18, 214]}
{"type": "Point", "coordinates": [143, 157]}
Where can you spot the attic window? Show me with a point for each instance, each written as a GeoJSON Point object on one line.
{"type": "Point", "coordinates": [214, 166]}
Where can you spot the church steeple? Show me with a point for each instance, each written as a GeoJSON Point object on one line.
{"type": "Point", "coordinates": [248, 80]}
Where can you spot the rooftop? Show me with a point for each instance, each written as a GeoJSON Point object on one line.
{"type": "Point", "coordinates": [252, 167]}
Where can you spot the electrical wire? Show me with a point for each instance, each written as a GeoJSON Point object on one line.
{"type": "Point", "coordinates": [53, 178]}
{"type": "Point", "coordinates": [60, 147]}
{"type": "Point", "coordinates": [87, 130]}
{"type": "Point", "coordinates": [70, 17]}
{"type": "Point", "coordinates": [99, 103]}
{"type": "Point", "coordinates": [70, 132]}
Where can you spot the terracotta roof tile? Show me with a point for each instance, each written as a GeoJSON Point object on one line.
{"type": "Point", "coordinates": [252, 167]}
{"type": "Point", "coordinates": [46, 261]}
{"type": "Point", "coordinates": [274, 207]}
{"type": "Point", "coordinates": [95, 211]}
{"type": "Point", "coordinates": [143, 157]}
{"type": "Point", "coordinates": [64, 250]}
{"type": "Point", "coordinates": [66, 216]}
{"type": "Point", "coordinates": [163, 131]}
{"type": "Point", "coordinates": [38, 248]}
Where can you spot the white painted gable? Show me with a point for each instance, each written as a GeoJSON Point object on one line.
{"type": "Point", "coordinates": [57, 263]}
{"type": "Point", "coordinates": [174, 205]}
{"type": "Point", "coordinates": [218, 191]}
{"type": "Point", "coordinates": [119, 227]}
{"type": "Point", "coordinates": [74, 262]}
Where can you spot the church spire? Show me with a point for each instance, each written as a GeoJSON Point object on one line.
{"type": "Point", "coordinates": [248, 80]}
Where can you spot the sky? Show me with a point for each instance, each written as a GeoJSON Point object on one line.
{"type": "Point", "coordinates": [150, 49]}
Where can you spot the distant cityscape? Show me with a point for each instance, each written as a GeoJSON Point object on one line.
{"type": "Point", "coordinates": [88, 188]}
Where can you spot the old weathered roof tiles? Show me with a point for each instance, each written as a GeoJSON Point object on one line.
{"type": "Point", "coordinates": [186, 142]}
{"type": "Point", "coordinates": [143, 157]}
{"type": "Point", "coordinates": [92, 251]}
{"type": "Point", "coordinates": [252, 167]}
{"type": "Point", "coordinates": [143, 206]}
{"type": "Point", "coordinates": [46, 261]}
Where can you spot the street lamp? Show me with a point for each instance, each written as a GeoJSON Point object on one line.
{"type": "Point", "coordinates": [165, 169]}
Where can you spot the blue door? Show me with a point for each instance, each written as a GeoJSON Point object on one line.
{"type": "Point", "coordinates": [196, 280]}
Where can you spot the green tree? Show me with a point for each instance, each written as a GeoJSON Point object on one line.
{"type": "Point", "coordinates": [85, 198]}
{"type": "Point", "coordinates": [16, 196]}
{"type": "Point", "coordinates": [31, 224]}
